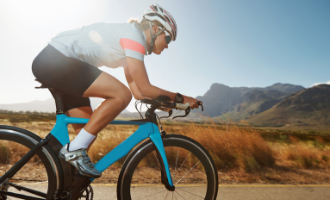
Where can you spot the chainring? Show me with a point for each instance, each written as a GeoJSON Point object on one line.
{"type": "Point", "coordinates": [88, 193]}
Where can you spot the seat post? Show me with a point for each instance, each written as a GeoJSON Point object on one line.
{"type": "Point", "coordinates": [58, 97]}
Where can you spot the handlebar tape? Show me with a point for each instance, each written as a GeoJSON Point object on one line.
{"type": "Point", "coordinates": [182, 106]}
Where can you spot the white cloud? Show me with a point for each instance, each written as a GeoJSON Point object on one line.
{"type": "Point", "coordinates": [328, 83]}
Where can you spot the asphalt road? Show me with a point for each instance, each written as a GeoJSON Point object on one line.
{"type": "Point", "coordinates": [227, 192]}
{"type": "Point", "coordinates": [242, 192]}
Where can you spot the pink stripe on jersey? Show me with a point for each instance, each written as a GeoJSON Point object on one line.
{"type": "Point", "coordinates": [132, 45]}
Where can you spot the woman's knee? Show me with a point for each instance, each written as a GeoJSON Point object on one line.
{"type": "Point", "coordinates": [106, 86]}
{"type": "Point", "coordinates": [125, 96]}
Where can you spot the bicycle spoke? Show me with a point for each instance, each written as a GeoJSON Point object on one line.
{"type": "Point", "coordinates": [188, 171]}
{"type": "Point", "coordinates": [190, 193]}
{"type": "Point", "coordinates": [184, 162]}
{"type": "Point", "coordinates": [179, 194]}
{"type": "Point", "coordinates": [15, 153]}
{"type": "Point", "coordinates": [174, 195]}
{"type": "Point", "coordinates": [166, 195]}
{"type": "Point", "coordinates": [29, 167]}
{"type": "Point", "coordinates": [176, 163]}
{"type": "Point", "coordinates": [199, 185]}
{"type": "Point", "coordinates": [160, 166]}
{"type": "Point", "coordinates": [7, 157]}
{"type": "Point", "coordinates": [162, 190]}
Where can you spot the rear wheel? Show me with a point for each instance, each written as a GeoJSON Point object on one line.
{"type": "Point", "coordinates": [193, 172]}
{"type": "Point", "coordinates": [38, 177]}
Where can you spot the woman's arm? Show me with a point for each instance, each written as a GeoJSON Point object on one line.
{"type": "Point", "coordinates": [137, 78]}
{"type": "Point", "coordinates": [134, 89]}
{"type": "Point", "coordinates": [140, 79]}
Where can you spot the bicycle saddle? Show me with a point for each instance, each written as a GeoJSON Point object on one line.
{"type": "Point", "coordinates": [42, 85]}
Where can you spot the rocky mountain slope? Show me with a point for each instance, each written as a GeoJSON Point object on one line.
{"type": "Point", "coordinates": [306, 107]}
{"type": "Point", "coordinates": [240, 102]}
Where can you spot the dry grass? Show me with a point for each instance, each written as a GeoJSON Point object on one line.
{"type": "Point", "coordinates": [234, 148]}
{"type": "Point", "coordinates": [303, 155]}
{"type": "Point", "coordinates": [241, 156]}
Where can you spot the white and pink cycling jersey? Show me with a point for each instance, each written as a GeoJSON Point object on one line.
{"type": "Point", "coordinates": [103, 44]}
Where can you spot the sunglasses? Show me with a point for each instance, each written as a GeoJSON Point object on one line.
{"type": "Point", "coordinates": [168, 39]}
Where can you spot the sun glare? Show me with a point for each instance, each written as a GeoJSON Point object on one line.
{"type": "Point", "coordinates": [41, 12]}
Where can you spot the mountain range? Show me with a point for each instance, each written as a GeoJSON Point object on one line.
{"type": "Point", "coordinates": [275, 105]}
{"type": "Point", "coordinates": [47, 105]}
{"type": "Point", "coordinates": [308, 107]}
{"type": "Point", "coordinates": [240, 102]}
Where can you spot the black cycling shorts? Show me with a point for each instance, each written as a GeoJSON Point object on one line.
{"type": "Point", "coordinates": [67, 75]}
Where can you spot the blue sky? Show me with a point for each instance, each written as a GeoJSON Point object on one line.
{"type": "Point", "coordinates": [253, 43]}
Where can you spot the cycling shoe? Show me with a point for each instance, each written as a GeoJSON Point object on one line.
{"type": "Point", "coordinates": [80, 160]}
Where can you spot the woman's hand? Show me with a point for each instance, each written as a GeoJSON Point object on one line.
{"type": "Point", "coordinates": [192, 101]}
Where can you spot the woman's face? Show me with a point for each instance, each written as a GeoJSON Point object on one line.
{"type": "Point", "coordinates": [160, 42]}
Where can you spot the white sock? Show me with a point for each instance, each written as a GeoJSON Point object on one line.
{"type": "Point", "coordinates": [82, 140]}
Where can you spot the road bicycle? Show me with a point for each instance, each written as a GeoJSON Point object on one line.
{"type": "Point", "coordinates": [158, 165]}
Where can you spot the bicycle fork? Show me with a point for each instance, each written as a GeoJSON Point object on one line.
{"type": "Point", "coordinates": [165, 170]}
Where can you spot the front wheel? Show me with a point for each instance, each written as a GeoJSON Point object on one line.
{"type": "Point", "coordinates": [192, 168]}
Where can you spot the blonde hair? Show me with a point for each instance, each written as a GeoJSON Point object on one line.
{"type": "Point", "coordinates": [144, 24]}
{"type": "Point", "coordinates": [132, 20]}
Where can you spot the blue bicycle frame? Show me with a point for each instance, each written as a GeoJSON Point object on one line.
{"type": "Point", "coordinates": [145, 130]}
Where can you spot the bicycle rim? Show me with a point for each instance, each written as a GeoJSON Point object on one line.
{"type": "Point", "coordinates": [37, 174]}
{"type": "Point", "coordinates": [192, 169]}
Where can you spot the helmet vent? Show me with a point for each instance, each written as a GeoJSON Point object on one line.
{"type": "Point", "coordinates": [168, 20]}
{"type": "Point", "coordinates": [154, 14]}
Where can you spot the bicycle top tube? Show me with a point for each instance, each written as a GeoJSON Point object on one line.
{"type": "Point", "coordinates": [60, 130]}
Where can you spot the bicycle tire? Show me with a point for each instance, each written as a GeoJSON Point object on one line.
{"type": "Point", "coordinates": [15, 143]}
{"type": "Point", "coordinates": [133, 166]}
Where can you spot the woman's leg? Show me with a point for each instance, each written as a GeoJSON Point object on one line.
{"type": "Point", "coordinates": [81, 112]}
{"type": "Point", "coordinates": [117, 96]}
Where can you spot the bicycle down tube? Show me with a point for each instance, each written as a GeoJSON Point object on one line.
{"type": "Point", "coordinates": [145, 130]}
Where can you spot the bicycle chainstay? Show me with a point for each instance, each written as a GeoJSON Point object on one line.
{"type": "Point", "coordinates": [21, 179]}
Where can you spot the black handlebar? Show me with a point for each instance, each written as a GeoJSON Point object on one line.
{"type": "Point", "coordinates": [158, 104]}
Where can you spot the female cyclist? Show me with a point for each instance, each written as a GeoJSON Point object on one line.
{"type": "Point", "coordinates": [70, 64]}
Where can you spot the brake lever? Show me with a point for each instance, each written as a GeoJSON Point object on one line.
{"type": "Point", "coordinates": [200, 104]}
{"type": "Point", "coordinates": [169, 114]}
{"type": "Point", "coordinates": [187, 111]}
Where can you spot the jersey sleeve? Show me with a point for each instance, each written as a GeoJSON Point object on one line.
{"type": "Point", "coordinates": [132, 44]}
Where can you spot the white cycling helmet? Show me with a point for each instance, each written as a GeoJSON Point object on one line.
{"type": "Point", "coordinates": [159, 14]}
